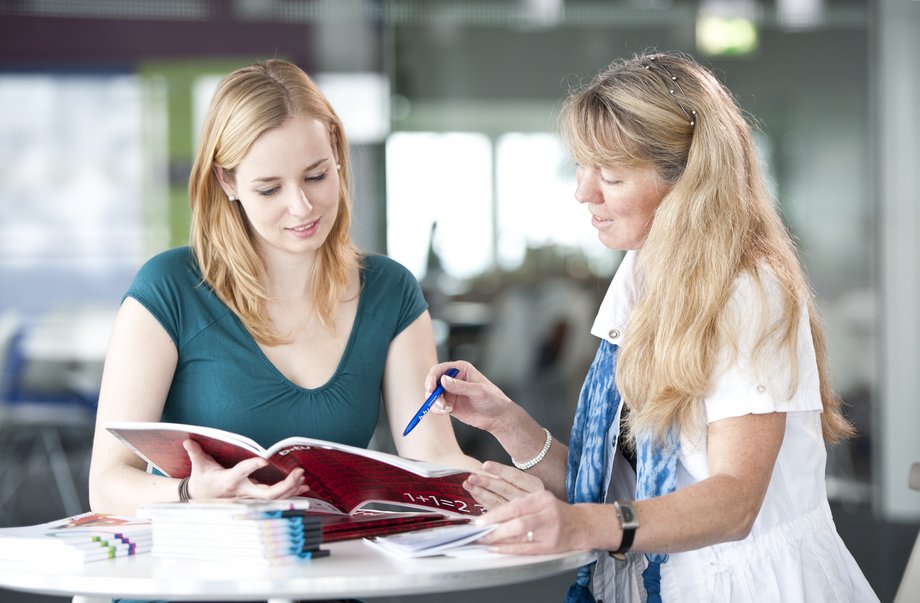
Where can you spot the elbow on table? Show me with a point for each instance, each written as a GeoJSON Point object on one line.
{"type": "Point", "coordinates": [96, 497]}
{"type": "Point", "coordinates": [100, 494]}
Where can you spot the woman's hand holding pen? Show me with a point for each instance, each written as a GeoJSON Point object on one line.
{"type": "Point", "coordinates": [210, 480]}
{"type": "Point", "coordinates": [470, 397]}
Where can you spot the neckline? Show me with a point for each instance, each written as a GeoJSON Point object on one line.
{"type": "Point", "coordinates": [345, 353]}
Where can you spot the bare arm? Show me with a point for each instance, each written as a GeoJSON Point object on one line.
{"type": "Point", "coordinates": [723, 507]}
{"type": "Point", "coordinates": [473, 399]}
{"type": "Point", "coordinates": [410, 356]}
{"type": "Point", "coordinates": [139, 368]}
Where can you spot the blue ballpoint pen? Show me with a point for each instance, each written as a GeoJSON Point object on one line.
{"type": "Point", "coordinates": [426, 406]}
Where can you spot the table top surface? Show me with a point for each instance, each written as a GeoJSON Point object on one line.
{"type": "Point", "coordinates": [353, 569]}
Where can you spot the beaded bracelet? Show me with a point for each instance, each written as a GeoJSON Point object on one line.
{"type": "Point", "coordinates": [527, 465]}
{"type": "Point", "coordinates": [183, 490]}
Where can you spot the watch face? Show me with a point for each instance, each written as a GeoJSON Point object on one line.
{"type": "Point", "coordinates": [627, 512]}
{"type": "Point", "coordinates": [627, 515]}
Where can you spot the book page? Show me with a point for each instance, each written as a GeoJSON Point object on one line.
{"type": "Point", "coordinates": [350, 481]}
{"type": "Point", "coordinates": [418, 467]}
{"type": "Point", "coordinates": [160, 444]}
{"type": "Point", "coordinates": [436, 541]}
{"type": "Point", "coordinates": [380, 523]}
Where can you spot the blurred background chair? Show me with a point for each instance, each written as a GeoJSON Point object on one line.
{"type": "Point", "coordinates": [49, 384]}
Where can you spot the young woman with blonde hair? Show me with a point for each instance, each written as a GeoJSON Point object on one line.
{"type": "Point", "coordinates": [271, 324]}
{"type": "Point", "coordinates": [711, 360]}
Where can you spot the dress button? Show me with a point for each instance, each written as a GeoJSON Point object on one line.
{"type": "Point", "coordinates": [761, 389]}
{"type": "Point", "coordinates": [614, 333]}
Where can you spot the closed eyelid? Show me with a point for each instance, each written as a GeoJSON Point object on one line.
{"type": "Point", "coordinates": [274, 189]}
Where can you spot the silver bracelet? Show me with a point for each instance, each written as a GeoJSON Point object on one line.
{"type": "Point", "coordinates": [527, 465]}
{"type": "Point", "coordinates": [183, 490]}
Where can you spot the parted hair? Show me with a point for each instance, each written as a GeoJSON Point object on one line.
{"type": "Point", "coordinates": [247, 103]}
{"type": "Point", "coordinates": [717, 223]}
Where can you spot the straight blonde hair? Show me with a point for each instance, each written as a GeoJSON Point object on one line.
{"type": "Point", "coordinates": [715, 224]}
{"type": "Point", "coordinates": [249, 102]}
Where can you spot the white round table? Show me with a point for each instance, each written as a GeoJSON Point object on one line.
{"type": "Point", "coordinates": [353, 569]}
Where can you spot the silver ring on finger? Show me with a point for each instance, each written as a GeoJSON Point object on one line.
{"type": "Point", "coordinates": [529, 535]}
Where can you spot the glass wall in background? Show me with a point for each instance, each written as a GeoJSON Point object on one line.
{"type": "Point", "coordinates": [440, 202]}
{"type": "Point", "coordinates": [465, 182]}
{"type": "Point", "coordinates": [79, 194]}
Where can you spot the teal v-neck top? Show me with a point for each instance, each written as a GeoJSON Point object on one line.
{"type": "Point", "coordinates": [224, 380]}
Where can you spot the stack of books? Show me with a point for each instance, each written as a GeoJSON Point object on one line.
{"type": "Point", "coordinates": [245, 531]}
{"type": "Point", "coordinates": [76, 540]}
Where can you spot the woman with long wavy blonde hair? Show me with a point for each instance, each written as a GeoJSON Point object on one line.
{"type": "Point", "coordinates": [697, 456]}
{"type": "Point", "coordinates": [271, 323]}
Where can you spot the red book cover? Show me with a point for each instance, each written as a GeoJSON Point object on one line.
{"type": "Point", "coordinates": [346, 477]}
{"type": "Point", "coordinates": [366, 525]}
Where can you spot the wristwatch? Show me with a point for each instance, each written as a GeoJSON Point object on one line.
{"type": "Point", "coordinates": [629, 523]}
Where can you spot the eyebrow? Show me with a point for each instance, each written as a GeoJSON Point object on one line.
{"type": "Point", "coordinates": [312, 166]}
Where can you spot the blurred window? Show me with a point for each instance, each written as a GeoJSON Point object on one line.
{"type": "Point", "coordinates": [443, 179]}
{"type": "Point", "coordinates": [536, 203]}
{"type": "Point", "coordinates": [447, 179]}
{"type": "Point", "coordinates": [73, 181]}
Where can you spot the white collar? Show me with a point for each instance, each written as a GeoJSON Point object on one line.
{"type": "Point", "coordinates": [615, 310]}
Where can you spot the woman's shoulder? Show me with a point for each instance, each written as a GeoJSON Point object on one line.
{"type": "Point", "coordinates": [381, 263]}
{"type": "Point", "coordinates": [387, 284]}
{"type": "Point", "coordinates": [171, 262]}
{"type": "Point", "coordinates": [170, 286]}
{"type": "Point", "coordinates": [760, 292]}
{"type": "Point", "coordinates": [376, 267]}
{"type": "Point", "coordinates": [174, 269]}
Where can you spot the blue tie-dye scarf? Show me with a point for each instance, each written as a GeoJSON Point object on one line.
{"type": "Point", "coordinates": [656, 467]}
{"type": "Point", "coordinates": [656, 474]}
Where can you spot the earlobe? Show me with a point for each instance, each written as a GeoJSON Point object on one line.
{"type": "Point", "coordinates": [222, 180]}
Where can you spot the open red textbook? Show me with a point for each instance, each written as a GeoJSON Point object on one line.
{"type": "Point", "coordinates": [365, 524]}
{"type": "Point", "coordinates": [346, 477]}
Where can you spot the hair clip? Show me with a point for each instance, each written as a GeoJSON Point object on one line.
{"type": "Point", "coordinates": [688, 111]}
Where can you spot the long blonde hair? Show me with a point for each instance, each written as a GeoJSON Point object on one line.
{"type": "Point", "coordinates": [247, 103]}
{"type": "Point", "coordinates": [716, 223]}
